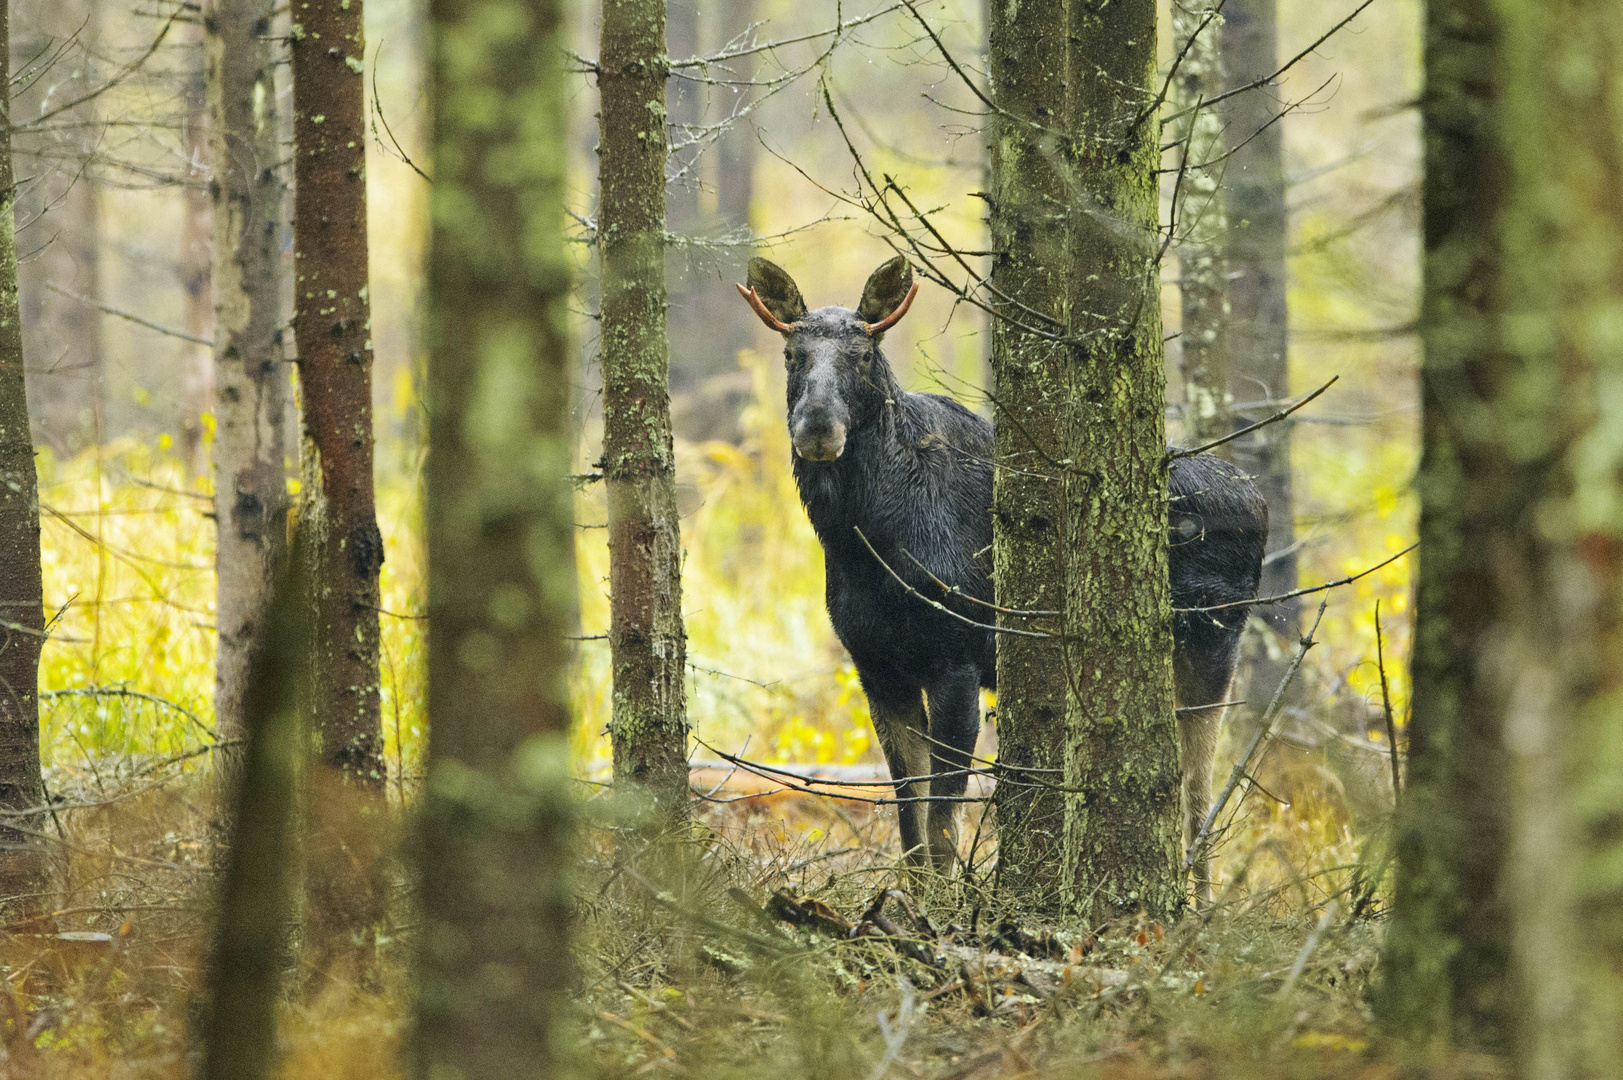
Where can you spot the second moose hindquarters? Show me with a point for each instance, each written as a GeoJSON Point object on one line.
{"type": "Point", "coordinates": [898, 487]}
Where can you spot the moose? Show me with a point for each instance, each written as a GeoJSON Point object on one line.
{"type": "Point", "coordinates": [898, 487]}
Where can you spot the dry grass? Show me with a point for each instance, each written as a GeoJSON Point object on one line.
{"type": "Point", "coordinates": [690, 990]}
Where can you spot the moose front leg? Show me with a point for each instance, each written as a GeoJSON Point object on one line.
{"type": "Point", "coordinates": [898, 720]}
{"type": "Point", "coordinates": [955, 723]}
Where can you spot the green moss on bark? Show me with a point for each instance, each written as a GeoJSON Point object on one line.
{"type": "Point", "coordinates": [648, 725]}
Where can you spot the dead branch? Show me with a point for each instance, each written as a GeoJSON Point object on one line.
{"type": "Point", "coordinates": [1197, 848]}
{"type": "Point", "coordinates": [1348, 580]}
{"type": "Point", "coordinates": [1386, 705]}
{"type": "Point", "coordinates": [1249, 428]}
{"type": "Point", "coordinates": [944, 609]}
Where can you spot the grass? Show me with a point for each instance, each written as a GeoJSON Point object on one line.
{"type": "Point", "coordinates": [706, 986]}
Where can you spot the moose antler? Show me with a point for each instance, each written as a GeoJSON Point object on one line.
{"type": "Point", "coordinates": [767, 317]}
{"type": "Point", "coordinates": [894, 317]}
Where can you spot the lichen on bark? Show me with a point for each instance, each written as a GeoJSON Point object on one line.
{"type": "Point", "coordinates": [648, 724]}
{"type": "Point", "coordinates": [1122, 758]}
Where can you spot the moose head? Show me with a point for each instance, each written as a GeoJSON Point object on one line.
{"type": "Point", "coordinates": [838, 378]}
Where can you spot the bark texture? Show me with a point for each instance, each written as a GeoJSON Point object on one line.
{"type": "Point", "coordinates": [332, 323]}
{"type": "Point", "coordinates": [251, 931]}
{"type": "Point", "coordinates": [1258, 328]}
{"type": "Point", "coordinates": [649, 720]}
{"type": "Point", "coordinates": [1121, 850]}
{"type": "Point", "coordinates": [1201, 219]}
{"type": "Point", "coordinates": [22, 612]}
{"type": "Point", "coordinates": [1505, 931]}
{"type": "Point", "coordinates": [496, 807]}
{"type": "Point", "coordinates": [1030, 223]}
{"type": "Point", "coordinates": [251, 499]}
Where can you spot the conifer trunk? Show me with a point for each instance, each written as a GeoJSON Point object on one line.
{"type": "Point", "coordinates": [337, 517]}
{"type": "Point", "coordinates": [22, 863]}
{"type": "Point", "coordinates": [1029, 228]}
{"type": "Point", "coordinates": [332, 322]}
{"type": "Point", "coordinates": [649, 721]}
{"type": "Point", "coordinates": [1505, 932]}
{"type": "Point", "coordinates": [1202, 222]}
{"type": "Point", "coordinates": [1258, 327]}
{"type": "Point", "coordinates": [1121, 850]}
{"type": "Point", "coordinates": [496, 807]}
{"type": "Point", "coordinates": [251, 499]}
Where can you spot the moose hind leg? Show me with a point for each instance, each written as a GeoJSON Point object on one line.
{"type": "Point", "coordinates": [1202, 674]}
{"type": "Point", "coordinates": [955, 722]}
{"type": "Point", "coordinates": [898, 720]}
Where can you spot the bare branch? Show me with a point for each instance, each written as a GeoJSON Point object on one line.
{"type": "Point", "coordinates": [1249, 428]}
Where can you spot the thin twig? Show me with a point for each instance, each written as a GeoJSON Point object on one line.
{"type": "Point", "coordinates": [1386, 705]}
{"type": "Point", "coordinates": [1286, 66]}
{"type": "Point", "coordinates": [1197, 849]}
{"type": "Point", "coordinates": [136, 319]}
{"type": "Point", "coordinates": [944, 609]}
{"type": "Point", "coordinates": [1348, 580]}
{"type": "Point", "coordinates": [1249, 428]}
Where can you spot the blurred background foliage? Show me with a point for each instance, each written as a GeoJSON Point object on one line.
{"type": "Point", "coordinates": [128, 545]}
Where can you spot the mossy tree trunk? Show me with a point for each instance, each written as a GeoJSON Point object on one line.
{"type": "Point", "coordinates": [1200, 216]}
{"type": "Point", "coordinates": [1254, 179]}
{"type": "Point", "coordinates": [496, 807]}
{"type": "Point", "coordinates": [1030, 223]}
{"type": "Point", "coordinates": [251, 499]}
{"type": "Point", "coordinates": [1121, 739]}
{"type": "Point", "coordinates": [1505, 932]}
{"type": "Point", "coordinates": [649, 720]}
{"type": "Point", "coordinates": [337, 516]}
{"type": "Point", "coordinates": [22, 606]}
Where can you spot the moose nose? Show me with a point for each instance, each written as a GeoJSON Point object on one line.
{"type": "Point", "coordinates": [820, 441]}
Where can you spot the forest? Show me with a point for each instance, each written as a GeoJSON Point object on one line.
{"type": "Point", "coordinates": [937, 539]}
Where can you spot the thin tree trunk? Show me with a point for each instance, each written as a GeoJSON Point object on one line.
{"type": "Point", "coordinates": [1258, 329]}
{"type": "Point", "coordinates": [332, 328]}
{"type": "Point", "coordinates": [497, 809]}
{"type": "Point", "coordinates": [197, 253]}
{"type": "Point", "coordinates": [22, 861]}
{"type": "Point", "coordinates": [646, 638]}
{"type": "Point", "coordinates": [729, 324]}
{"type": "Point", "coordinates": [1202, 220]}
{"type": "Point", "coordinates": [1030, 228]}
{"type": "Point", "coordinates": [251, 931]}
{"type": "Point", "coordinates": [1121, 849]}
{"type": "Point", "coordinates": [250, 501]}
{"type": "Point", "coordinates": [1505, 931]}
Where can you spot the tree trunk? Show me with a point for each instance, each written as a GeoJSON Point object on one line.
{"type": "Point", "coordinates": [337, 518]}
{"type": "Point", "coordinates": [729, 325]}
{"type": "Point", "coordinates": [1029, 227]}
{"type": "Point", "coordinates": [63, 248]}
{"type": "Point", "coordinates": [1505, 934]}
{"type": "Point", "coordinates": [22, 861]}
{"type": "Point", "coordinates": [1202, 222]}
{"type": "Point", "coordinates": [497, 808]}
{"type": "Point", "coordinates": [251, 931]}
{"type": "Point", "coordinates": [250, 501]}
{"type": "Point", "coordinates": [1258, 330]}
{"type": "Point", "coordinates": [197, 252]}
{"type": "Point", "coordinates": [1121, 849]}
{"type": "Point", "coordinates": [332, 330]}
{"type": "Point", "coordinates": [648, 644]}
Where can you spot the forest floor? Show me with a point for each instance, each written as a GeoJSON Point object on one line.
{"type": "Point", "coordinates": [790, 945]}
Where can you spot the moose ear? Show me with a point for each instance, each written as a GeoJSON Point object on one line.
{"type": "Point", "coordinates": [777, 293]}
{"type": "Point", "coordinates": [887, 289]}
